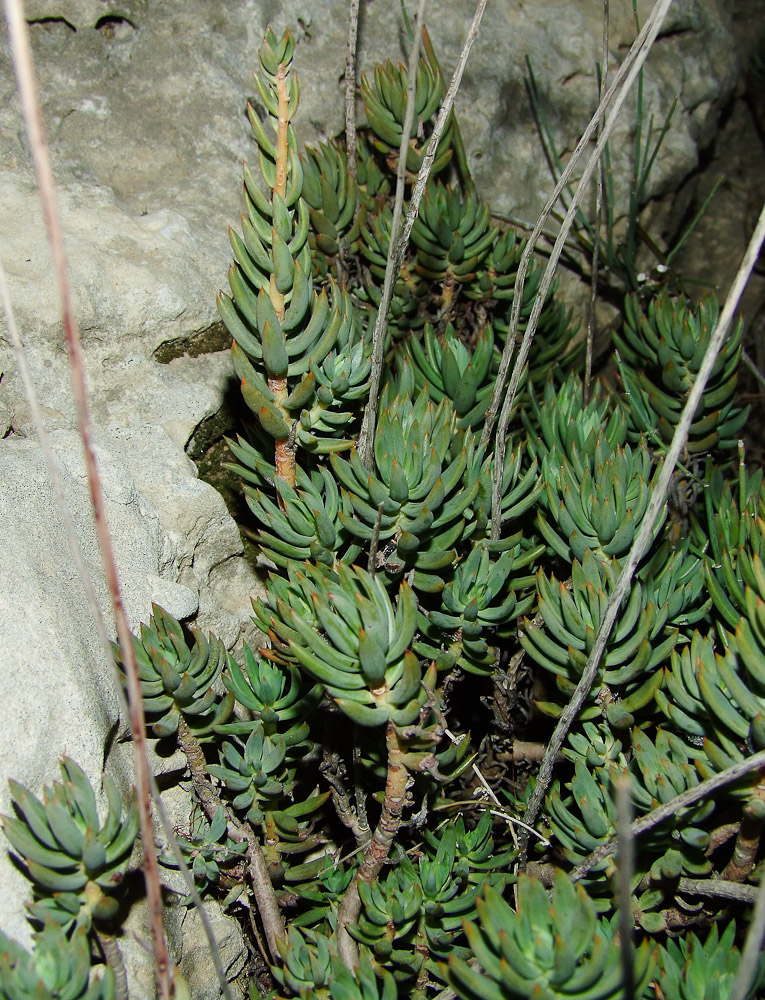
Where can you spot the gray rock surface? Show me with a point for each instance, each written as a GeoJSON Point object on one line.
{"type": "Point", "coordinates": [144, 105]}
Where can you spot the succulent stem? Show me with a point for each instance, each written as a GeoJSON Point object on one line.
{"type": "Point", "coordinates": [396, 784]}
{"type": "Point", "coordinates": [284, 448]}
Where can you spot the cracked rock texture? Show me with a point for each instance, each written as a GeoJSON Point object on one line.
{"type": "Point", "coordinates": [144, 107]}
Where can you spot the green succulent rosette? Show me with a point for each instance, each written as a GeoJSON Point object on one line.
{"type": "Point", "coordinates": [660, 354]}
{"type": "Point", "coordinates": [595, 505]}
{"type": "Point", "coordinates": [355, 643]}
{"type": "Point", "coordinates": [177, 681]}
{"type": "Point", "coordinates": [58, 968]}
{"type": "Point", "coordinates": [728, 682]}
{"type": "Point", "coordinates": [415, 501]}
{"type": "Point", "coordinates": [479, 603]}
{"type": "Point", "coordinates": [385, 99]}
{"type": "Point", "coordinates": [733, 532]}
{"type": "Point", "coordinates": [296, 523]}
{"type": "Point", "coordinates": [689, 968]}
{"type": "Point", "coordinates": [75, 860]}
{"type": "Point", "coordinates": [450, 370]}
{"type": "Point", "coordinates": [660, 770]}
{"type": "Point", "coordinates": [639, 643]}
{"type": "Point", "coordinates": [332, 197]}
{"type": "Point", "coordinates": [300, 354]}
{"type": "Point", "coordinates": [548, 947]}
{"type": "Point", "coordinates": [563, 425]}
{"type": "Point", "coordinates": [213, 857]}
{"type": "Point", "coordinates": [261, 776]}
{"type": "Point", "coordinates": [452, 233]}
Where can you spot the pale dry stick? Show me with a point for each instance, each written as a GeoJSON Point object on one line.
{"type": "Point", "coordinates": [635, 64]}
{"type": "Point", "coordinates": [90, 594]}
{"type": "Point", "coordinates": [22, 59]}
{"type": "Point", "coordinates": [392, 265]}
{"type": "Point", "coordinates": [350, 86]}
{"type": "Point", "coordinates": [397, 250]}
{"type": "Point", "coordinates": [636, 52]}
{"type": "Point", "coordinates": [667, 809]}
{"type": "Point", "coordinates": [752, 950]}
{"type": "Point", "coordinates": [643, 537]}
{"type": "Point", "coordinates": [591, 316]}
{"type": "Point", "coordinates": [626, 860]}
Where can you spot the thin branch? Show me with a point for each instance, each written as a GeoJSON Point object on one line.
{"type": "Point", "coordinates": [350, 86]}
{"type": "Point", "coordinates": [396, 251]}
{"type": "Point", "coordinates": [627, 73]}
{"type": "Point", "coordinates": [398, 248]}
{"type": "Point", "coordinates": [667, 809]}
{"type": "Point", "coordinates": [23, 64]}
{"type": "Point", "coordinates": [591, 316]}
{"type": "Point", "coordinates": [643, 537]}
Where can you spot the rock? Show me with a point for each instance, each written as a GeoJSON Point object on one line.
{"type": "Point", "coordinates": [57, 695]}
{"type": "Point", "coordinates": [144, 106]}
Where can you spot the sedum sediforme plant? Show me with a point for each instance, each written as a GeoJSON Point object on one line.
{"type": "Point", "coordinates": [425, 614]}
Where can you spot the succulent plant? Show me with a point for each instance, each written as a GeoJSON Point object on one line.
{"type": "Point", "coordinates": [689, 969]}
{"type": "Point", "coordinates": [58, 968]}
{"type": "Point", "coordinates": [393, 575]}
{"type": "Point", "coordinates": [598, 505]}
{"type": "Point", "coordinates": [561, 424]}
{"type": "Point", "coordinates": [660, 770]}
{"type": "Point", "coordinates": [385, 98]}
{"type": "Point", "coordinates": [75, 860]}
{"type": "Point", "coordinates": [364, 983]}
{"type": "Point", "coordinates": [448, 369]}
{"type": "Point", "coordinates": [452, 234]}
{"type": "Point", "coordinates": [478, 603]}
{"type": "Point", "coordinates": [261, 775]}
{"type": "Point", "coordinates": [300, 359]}
{"type": "Point", "coordinates": [551, 948]}
{"type": "Point", "coordinates": [416, 501]}
{"type": "Point", "coordinates": [177, 681]}
{"type": "Point", "coordinates": [363, 657]}
{"type": "Point", "coordinates": [572, 616]}
{"type": "Point", "coordinates": [660, 354]}
{"type": "Point", "coordinates": [210, 852]}
{"type": "Point", "coordinates": [332, 197]}
{"type": "Point", "coordinates": [307, 962]}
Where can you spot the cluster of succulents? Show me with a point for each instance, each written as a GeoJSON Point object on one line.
{"type": "Point", "coordinates": [76, 862]}
{"type": "Point", "coordinates": [339, 752]}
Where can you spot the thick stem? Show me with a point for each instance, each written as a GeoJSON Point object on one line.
{"type": "Point", "coordinates": [284, 448]}
{"type": "Point", "coordinates": [282, 131]}
{"type": "Point", "coordinates": [376, 854]}
{"type": "Point", "coordinates": [116, 963]}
